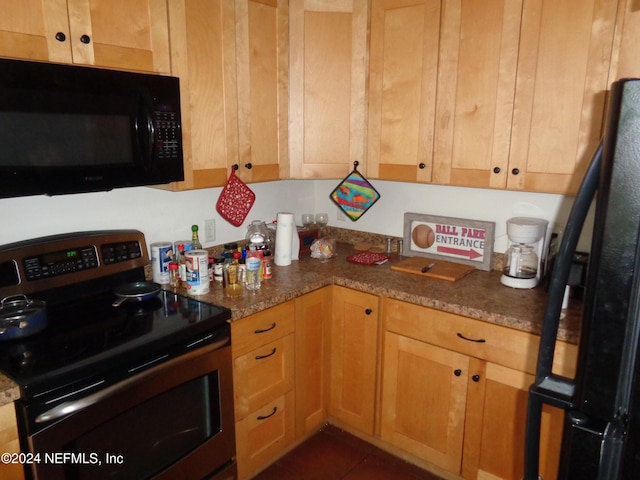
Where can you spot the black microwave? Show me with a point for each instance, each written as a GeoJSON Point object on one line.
{"type": "Point", "coordinates": [68, 129]}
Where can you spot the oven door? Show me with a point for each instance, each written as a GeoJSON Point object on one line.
{"type": "Point", "coordinates": [174, 420]}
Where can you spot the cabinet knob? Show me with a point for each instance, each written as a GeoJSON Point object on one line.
{"type": "Point", "coordinates": [422, 166]}
{"type": "Point", "coordinates": [515, 171]}
{"type": "Point", "coordinates": [235, 166]}
{"type": "Point", "coordinates": [249, 166]}
{"type": "Point", "coordinates": [61, 37]}
{"type": "Point", "coordinates": [476, 378]}
{"type": "Point", "coordinates": [496, 169]}
{"type": "Point", "coordinates": [86, 39]}
{"type": "Point", "coordinates": [368, 311]}
{"type": "Point", "coordinates": [457, 372]}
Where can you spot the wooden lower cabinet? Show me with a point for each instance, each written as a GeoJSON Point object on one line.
{"type": "Point", "coordinates": [495, 426]}
{"type": "Point", "coordinates": [354, 358]}
{"type": "Point", "coordinates": [265, 434]}
{"type": "Point", "coordinates": [313, 311]}
{"type": "Point", "coordinates": [461, 404]}
{"type": "Point", "coordinates": [9, 442]}
{"type": "Point", "coordinates": [423, 400]}
{"type": "Point", "coordinates": [264, 386]}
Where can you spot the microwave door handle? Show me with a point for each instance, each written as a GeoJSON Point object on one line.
{"type": "Point", "coordinates": [73, 406]}
{"type": "Point", "coordinates": [145, 126]}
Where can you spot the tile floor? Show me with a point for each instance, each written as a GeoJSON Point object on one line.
{"type": "Point", "coordinates": [332, 454]}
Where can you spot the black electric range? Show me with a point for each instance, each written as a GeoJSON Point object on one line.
{"type": "Point", "coordinates": [87, 340]}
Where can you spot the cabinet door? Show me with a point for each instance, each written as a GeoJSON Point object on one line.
{"type": "Point", "coordinates": [312, 320]}
{"type": "Point", "coordinates": [563, 69]}
{"type": "Point", "coordinates": [354, 354]}
{"type": "Point", "coordinates": [476, 85]}
{"type": "Point", "coordinates": [262, 65]}
{"type": "Point", "coordinates": [424, 391]}
{"type": "Point", "coordinates": [495, 425]}
{"type": "Point", "coordinates": [9, 443]}
{"type": "Point", "coordinates": [35, 30]}
{"type": "Point", "coordinates": [627, 41]}
{"type": "Point", "coordinates": [402, 88]}
{"type": "Point", "coordinates": [328, 66]}
{"type": "Point", "coordinates": [123, 34]}
{"type": "Point", "coordinates": [203, 56]}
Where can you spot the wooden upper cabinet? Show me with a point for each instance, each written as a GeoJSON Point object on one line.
{"type": "Point", "coordinates": [563, 76]}
{"type": "Point", "coordinates": [120, 34]}
{"type": "Point", "coordinates": [476, 84]}
{"type": "Point", "coordinates": [203, 56]}
{"type": "Point", "coordinates": [403, 68]}
{"type": "Point", "coordinates": [262, 65]}
{"type": "Point", "coordinates": [327, 80]}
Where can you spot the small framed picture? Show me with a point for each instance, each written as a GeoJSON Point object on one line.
{"type": "Point", "coordinates": [456, 240]}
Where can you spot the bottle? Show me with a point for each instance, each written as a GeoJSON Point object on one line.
{"type": "Point", "coordinates": [253, 269]}
{"type": "Point", "coordinates": [195, 242]}
{"type": "Point", "coordinates": [182, 266]}
{"type": "Point", "coordinates": [267, 271]}
{"type": "Point", "coordinates": [174, 279]}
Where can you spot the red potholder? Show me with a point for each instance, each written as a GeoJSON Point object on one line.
{"type": "Point", "coordinates": [367, 258]}
{"type": "Point", "coordinates": [235, 201]}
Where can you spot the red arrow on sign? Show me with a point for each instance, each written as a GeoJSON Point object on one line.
{"type": "Point", "coordinates": [471, 253]}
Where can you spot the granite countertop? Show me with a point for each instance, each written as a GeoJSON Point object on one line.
{"type": "Point", "coordinates": [478, 295]}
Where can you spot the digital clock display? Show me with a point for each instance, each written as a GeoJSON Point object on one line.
{"type": "Point", "coordinates": [57, 257]}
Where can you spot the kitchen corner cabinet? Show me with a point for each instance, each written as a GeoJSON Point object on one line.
{"type": "Point", "coordinates": [264, 380]}
{"type": "Point", "coordinates": [9, 443]}
{"type": "Point", "coordinates": [454, 392]}
{"type": "Point", "coordinates": [327, 87]}
{"type": "Point", "coordinates": [313, 312]}
{"type": "Point", "coordinates": [121, 34]}
{"type": "Point", "coordinates": [354, 358]}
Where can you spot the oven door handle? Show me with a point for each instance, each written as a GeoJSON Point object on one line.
{"type": "Point", "coordinates": [68, 408]}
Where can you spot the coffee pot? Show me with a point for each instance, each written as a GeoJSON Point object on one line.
{"type": "Point", "coordinates": [524, 257]}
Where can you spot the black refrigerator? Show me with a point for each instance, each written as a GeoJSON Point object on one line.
{"type": "Point", "coordinates": [601, 438]}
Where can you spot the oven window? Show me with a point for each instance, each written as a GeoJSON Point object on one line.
{"type": "Point", "coordinates": [151, 436]}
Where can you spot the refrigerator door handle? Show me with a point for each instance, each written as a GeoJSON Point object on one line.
{"type": "Point", "coordinates": [549, 388]}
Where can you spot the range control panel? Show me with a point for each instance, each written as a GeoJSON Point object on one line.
{"type": "Point", "coordinates": [48, 262]}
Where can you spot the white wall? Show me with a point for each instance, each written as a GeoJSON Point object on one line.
{"type": "Point", "coordinates": [163, 215]}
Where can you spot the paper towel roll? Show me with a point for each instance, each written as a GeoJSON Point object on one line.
{"type": "Point", "coordinates": [285, 229]}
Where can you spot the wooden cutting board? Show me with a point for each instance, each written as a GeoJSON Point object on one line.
{"type": "Point", "coordinates": [443, 270]}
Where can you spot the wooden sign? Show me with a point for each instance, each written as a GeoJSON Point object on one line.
{"type": "Point", "coordinates": [454, 239]}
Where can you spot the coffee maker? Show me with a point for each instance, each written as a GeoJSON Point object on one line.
{"type": "Point", "coordinates": [524, 258]}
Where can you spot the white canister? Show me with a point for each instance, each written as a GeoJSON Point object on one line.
{"type": "Point", "coordinates": [162, 255]}
{"type": "Point", "coordinates": [197, 271]}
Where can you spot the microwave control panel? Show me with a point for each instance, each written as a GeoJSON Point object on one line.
{"type": "Point", "coordinates": [167, 134]}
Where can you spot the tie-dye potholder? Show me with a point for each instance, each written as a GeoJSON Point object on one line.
{"type": "Point", "coordinates": [355, 195]}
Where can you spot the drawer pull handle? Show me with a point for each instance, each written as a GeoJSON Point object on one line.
{"type": "Point", "coordinates": [478, 340]}
{"type": "Point", "coordinates": [457, 372]}
{"type": "Point", "coordinates": [273, 325]}
{"type": "Point", "coordinates": [264, 417]}
{"type": "Point", "coordinates": [260, 357]}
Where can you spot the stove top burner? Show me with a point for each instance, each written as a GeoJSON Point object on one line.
{"type": "Point", "coordinates": [86, 337]}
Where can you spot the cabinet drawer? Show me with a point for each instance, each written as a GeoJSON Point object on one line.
{"type": "Point", "coordinates": [263, 374]}
{"type": "Point", "coordinates": [265, 434]}
{"type": "Point", "coordinates": [261, 328]}
{"type": "Point", "coordinates": [494, 343]}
